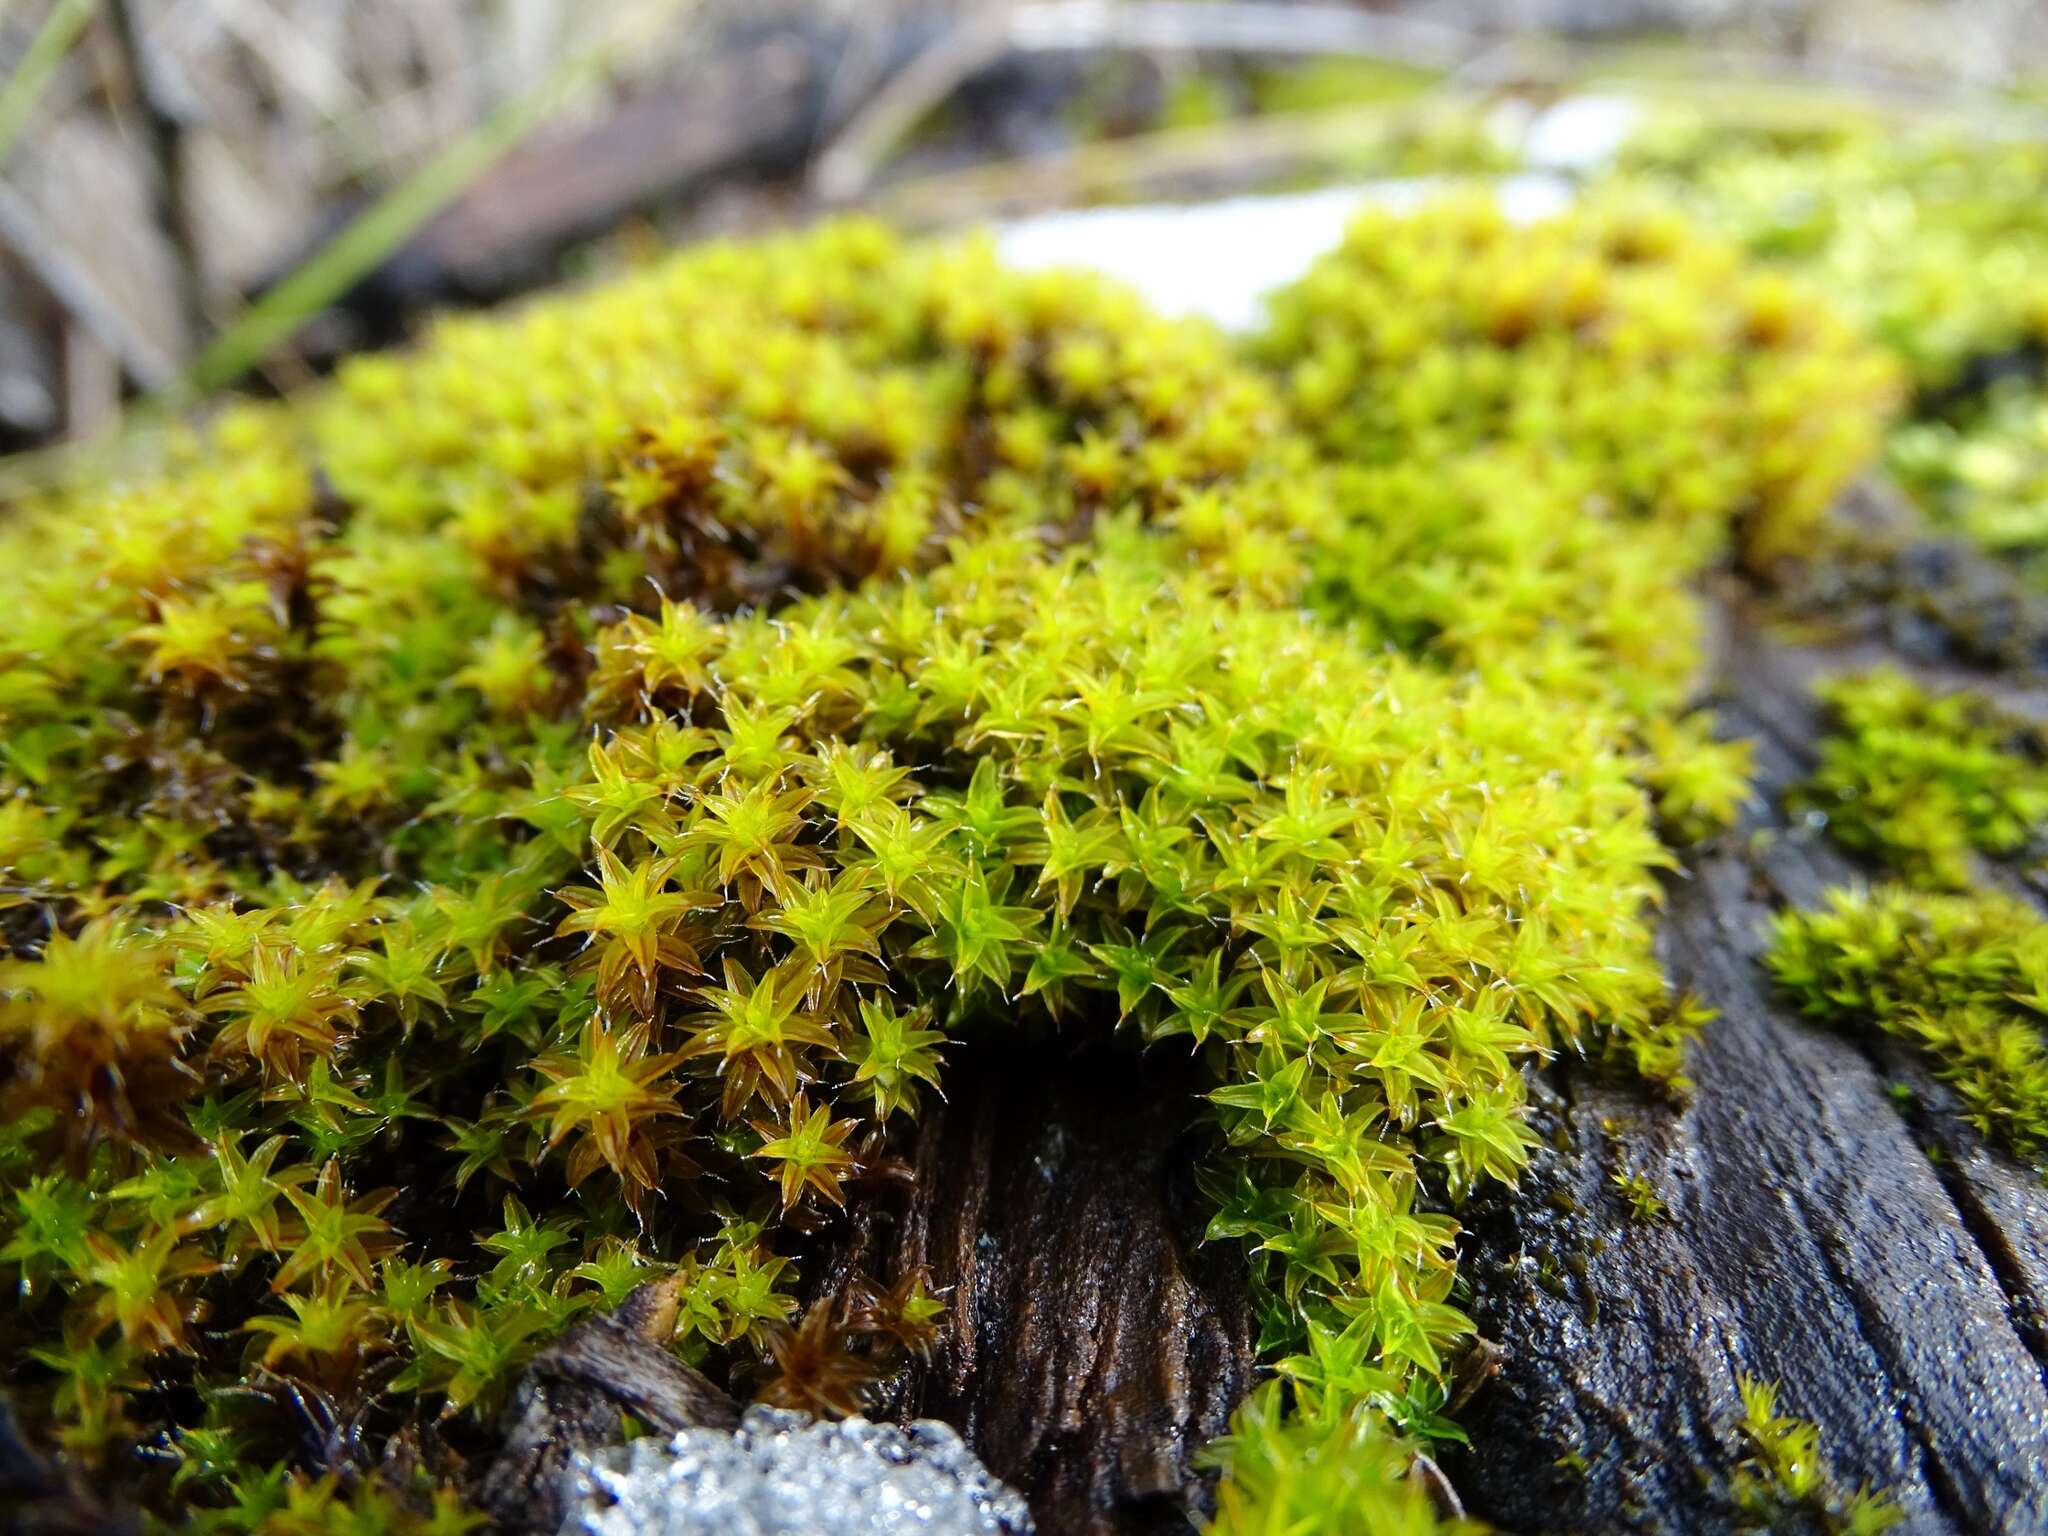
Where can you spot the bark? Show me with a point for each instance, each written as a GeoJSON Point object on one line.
{"type": "Point", "coordinates": [1861, 1246]}
{"type": "Point", "coordinates": [1092, 1344]}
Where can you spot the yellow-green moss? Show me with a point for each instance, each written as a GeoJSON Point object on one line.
{"type": "Point", "coordinates": [1783, 1481]}
{"type": "Point", "coordinates": [588, 773]}
{"type": "Point", "coordinates": [1612, 354]}
{"type": "Point", "coordinates": [1923, 782]}
{"type": "Point", "coordinates": [1962, 978]}
{"type": "Point", "coordinates": [1934, 240]}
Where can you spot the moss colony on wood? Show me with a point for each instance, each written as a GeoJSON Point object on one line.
{"type": "Point", "coordinates": [541, 812]}
{"type": "Point", "coordinates": [1965, 978]}
{"type": "Point", "coordinates": [1931, 787]}
{"type": "Point", "coordinates": [1923, 783]}
{"type": "Point", "coordinates": [1939, 245]}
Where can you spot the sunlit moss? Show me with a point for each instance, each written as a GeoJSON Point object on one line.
{"type": "Point", "coordinates": [540, 814]}
{"type": "Point", "coordinates": [1935, 240]}
{"type": "Point", "coordinates": [1611, 353]}
{"type": "Point", "coordinates": [1349, 1473]}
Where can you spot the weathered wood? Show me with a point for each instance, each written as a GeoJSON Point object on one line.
{"type": "Point", "coordinates": [1091, 1344]}
{"type": "Point", "coordinates": [1811, 1239]}
{"type": "Point", "coordinates": [569, 1402]}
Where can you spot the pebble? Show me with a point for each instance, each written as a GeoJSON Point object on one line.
{"type": "Point", "coordinates": [782, 1474]}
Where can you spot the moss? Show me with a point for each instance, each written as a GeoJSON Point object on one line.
{"type": "Point", "coordinates": [1287, 1474]}
{"type": "Point", "coordinates": [1644, 1203]}
{"type": "Point", "coordinates": [541, 813]}
{"type": "Point", "coordinates": [1783, 1483]}
{"type": "Point", "coordinates": [1922, 782]}
{"type": "Point", "coordinates": [1610, 354]}
{"type": "Point", "coordinates": [1984, 475]}
{"type": "Point", "coordinates": [1962, 978]}
{"type": "Point", "coordinates": [1701, 784]}
{"type": "Point", "coordinates": [1937, 243]}
{"type": "Point", "coordinates": [1933, 239]}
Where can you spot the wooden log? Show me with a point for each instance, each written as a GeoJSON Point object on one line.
{"type": "Point", "coordinates": [1859, 1245]}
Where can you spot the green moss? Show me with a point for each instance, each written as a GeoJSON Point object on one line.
{"type": "Point", "coordinates": [1644, 1203]}
{"type": "Point", "coordinates": [587, 776]}
{"type": "Point", "coordinates": [1348, 1474]}
{"type": "Point", "coordinates": [1611, 354]}
{"type": "Point", "coordinates": [1701, 784]}
{"type": "Point", "coordinates": [1985, 475]}
{"type": "Point", "coordinates": [1783, 1482]}
{"type": "Point", "coordinates": [1936, 241]}
{"type": "Point", "coordinates": [272, 1505]}
{"type": "Point", "coordinates": [1923, 782]}
{"type": "Point", "coordinates": [1962, 978]}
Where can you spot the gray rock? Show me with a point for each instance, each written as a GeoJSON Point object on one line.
{"type": "Point", "coordinates": [780, 1474]}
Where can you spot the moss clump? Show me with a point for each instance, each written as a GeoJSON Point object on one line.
{"type": "Point", "coordinates": [1611, 354]}
{"type": "Point", "coordinates": [286, 675]}
{"type": "Point", "coordinates": [1922, 782]}
{"type": "Point", "coordinates": [1701, 784]}
{"type": "Point", "coordinates": [1985, 474]}
{"type": "Point", "coordinates": [1292, 1474]}
{"type": "Point", "coordinates": [538, 815]}
{"type": "Point", "coordinates": [1935, 241]}
{"type": "Point", "coordinates": [1963, 978]}
{"type": "Point", "coordinates": [1783, 1483]}
{"type": "Point", "coordinates": [1938, 243]}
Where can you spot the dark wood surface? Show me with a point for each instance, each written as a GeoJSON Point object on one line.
{"type": "Point", "coordinates": [1859, 1245]}
{"type": "Point", "coordinates": [1092, 1344]}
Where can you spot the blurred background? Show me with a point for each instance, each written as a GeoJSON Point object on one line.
{"type": "Point", "coordinates": [201, 192]}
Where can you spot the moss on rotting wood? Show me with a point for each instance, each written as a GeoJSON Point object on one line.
{"type": "Point", "coordinates": [533, 816]}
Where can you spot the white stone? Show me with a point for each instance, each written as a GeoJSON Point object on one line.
{"type": "Point", "coordinates": [782, 1474]}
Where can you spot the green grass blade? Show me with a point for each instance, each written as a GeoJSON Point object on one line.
{"type": "Point", "coordinates": [382, 228]}
{"type": "Point", "coordinates": [46, 51]}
